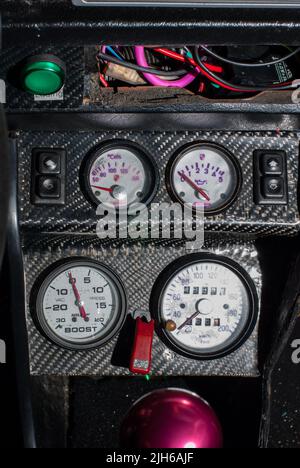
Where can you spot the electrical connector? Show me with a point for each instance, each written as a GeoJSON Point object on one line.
{"type": "Point", "coordinates": [124, 74]}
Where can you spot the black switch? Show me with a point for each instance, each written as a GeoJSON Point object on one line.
{"type": "Point", "coordinates": [49, 187]}
{"type": "Point", "coordinates": [48, 176]}
{"type": "Point", "coordinates": [273, 187]}
{"type": "Point", "coordinates": [49, 161]}
{"type": "Point", "coordinates": [270, 182]}
{"type": "Point", "coordinates": [272, 164]}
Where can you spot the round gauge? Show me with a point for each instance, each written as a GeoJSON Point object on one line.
{"type": "Point", "coordinates": [205, 306]}
{"type": "Point", "coordinates": [79, 304]}
{"type": "Point", "coordinates": [120, 175]}
{"type": "Point", "coordinates": [206, 175]}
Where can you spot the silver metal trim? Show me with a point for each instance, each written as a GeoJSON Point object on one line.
{"type": "Point", "coordinates": [191, 3]}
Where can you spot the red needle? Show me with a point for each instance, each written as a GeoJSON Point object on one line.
{"type": "Point", "coordinates": [194, 186]}
{"type": "Point", "coordinates": [77, 297]}
{"type": "Point", "coordinates": [104, 189]}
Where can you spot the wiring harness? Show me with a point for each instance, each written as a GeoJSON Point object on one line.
{"type": "Point", "coordinates": [193, 68]}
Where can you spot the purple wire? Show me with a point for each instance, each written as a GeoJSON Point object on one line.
{"type": "Point", "coordinates": [139, 52]}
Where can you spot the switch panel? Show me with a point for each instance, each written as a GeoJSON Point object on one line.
{"type": "Point", "coordinates": [48, 176]}
{"type": "Point", "coordinates": [270, 177]}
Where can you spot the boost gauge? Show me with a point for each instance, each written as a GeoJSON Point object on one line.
{"type": "Point", "coordinates": [79, 304]}
{"type": "Point", "coordinates": [205, 306]}
{"type": "Point", "coordinates": [119, 175]}
{"type": "Point", "coordinates": [204, 174]}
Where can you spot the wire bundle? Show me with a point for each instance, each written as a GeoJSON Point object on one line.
{"type": "Point", "coordinates": [193, 64]}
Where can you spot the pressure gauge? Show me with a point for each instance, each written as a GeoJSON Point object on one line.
{"type": "Point", "coordinates": [206, 306]}
{"type": "Point", "coordinates": [204, 175]}
{"type": "Point", "coordinates": [79, 304]}
{"type": "Point", "coordinates": [120, 175]}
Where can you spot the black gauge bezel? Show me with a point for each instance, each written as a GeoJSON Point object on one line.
{"type": "Point", "coordinates": [41, 285]}
{"type": "Point", "coordinates": [171, 271]}
{"type": "Point", "coordinates": [146, 159]}
{"type": "Point", "coordinates": [190, 147]}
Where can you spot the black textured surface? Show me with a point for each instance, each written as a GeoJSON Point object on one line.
{"type": "Point", "coordinates": [51, 408]}
{"type": "Point", "coordinates": [280, 421]}
{"type": "Point", "coordinates": [58, 20]}
{"type": "Point", "coordinates": [78, 215]}
{"type": "Point", "coordinates": [138, 266]}
{"type": "Point", "coordinates": [11, 435]}
{"type": "Point", "coordinates": [285, 402]}
{"type": "Point", "coordinates": [95, 418]}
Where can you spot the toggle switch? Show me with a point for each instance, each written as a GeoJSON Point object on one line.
{"type": "Point", "coordinates": [141, 356]}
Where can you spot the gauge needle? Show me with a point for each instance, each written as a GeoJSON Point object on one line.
{"type": "Point", "coordinates": [188, 320]}
{"type": "Point", "coordinates": [104, 189]}
{"type": "Point", "coordinates": [194, 186]}
{"type": "Point", "coordinates": [77, 296]}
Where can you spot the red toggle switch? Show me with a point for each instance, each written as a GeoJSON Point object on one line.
{"type": "Point", "coordinates": [141, 356]}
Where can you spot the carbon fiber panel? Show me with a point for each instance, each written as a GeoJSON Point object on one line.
{"type": "Point", "coordinates": [21, 101]}
{"type": "Point", "coordinates": [138, 266]}
{"type": "Point", "coordinates": [243, 216]}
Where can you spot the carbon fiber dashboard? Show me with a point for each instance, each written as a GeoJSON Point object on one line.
{"type": "Point", "coordinates": [78, 215]}
{"type": "Point", "coordinates": [138, 266]}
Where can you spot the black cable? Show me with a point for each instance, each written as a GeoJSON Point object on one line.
{"type": "Point", "coordinates": [133, 66]}
{"type": "Point", "coordinates": [232, 85]}
{"type": "Point", "coordinates": [248, 65]}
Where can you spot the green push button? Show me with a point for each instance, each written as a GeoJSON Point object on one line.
{"type": "Point", "coordinates": [43, 76]}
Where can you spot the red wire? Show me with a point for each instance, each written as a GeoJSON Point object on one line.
{"type": "Point", "coordinates": [101, 77]}
{"type": "Point", "coordinates": [212, 68]}
{"type": "Point", "coordinates": [219, 83]}
{"type": "Point", "coordinates": [182, 58]}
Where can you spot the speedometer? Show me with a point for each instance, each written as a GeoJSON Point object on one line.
{"type": "Point", "coordinates": [206, 175]}
{"type": "Point", "coordinates": [205, 306]}
{"type": "Point", "coordinates": [79, 304]}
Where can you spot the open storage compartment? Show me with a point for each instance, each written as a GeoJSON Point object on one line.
{"type": "Point", "coordinates": [109, 84]}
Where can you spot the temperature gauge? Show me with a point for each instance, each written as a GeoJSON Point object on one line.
{"type": "Point", "coordinates": [205, 175]}
{"type": "Point", "coordinates": [120, 175]}
{"type": "Point", "coordinates": [79, 304]}
{"type": "Point", "coordinates": [206, 306]}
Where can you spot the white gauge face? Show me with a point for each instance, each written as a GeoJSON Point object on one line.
{"type": "Point", "coordinates": [204, 176]}
{"type": "Point", "coordinates": [205, 308]}
{"type": "Point", "coordinates": [80, 304]}
{"type": "Point", "coordinates": [120, 177]}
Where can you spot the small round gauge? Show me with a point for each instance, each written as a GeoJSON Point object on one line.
{"type": "Point", "coordinates": [206, 175]}
{"type": "Point", "coordinates": [205, 306]}
{"type": "Point", "coordinates": [80, 304]}
{"type": "Point", "coordinates": [120, 175]}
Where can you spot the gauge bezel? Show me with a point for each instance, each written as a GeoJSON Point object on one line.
{"type": "Point", "coordinates": [146, 159]}
{"type": "Point", "coordinates": [190, 147]}
{"type": "Point", "coordinates": [171, 271]}
{"type": "Point", "coordinates": [43, 282]}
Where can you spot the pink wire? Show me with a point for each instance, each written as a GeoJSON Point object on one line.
{"type": "Point", "coordinates": [155, 80]}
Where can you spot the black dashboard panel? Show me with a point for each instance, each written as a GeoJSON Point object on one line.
{"type": "Point", "coordinates": [59, 21]}
{"type": "Point", "coordinates": [138, 264]}
{"type": "Point", "coordinates": [159, 321]}
{"type": "Point", "coordinates": [77, 215]}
